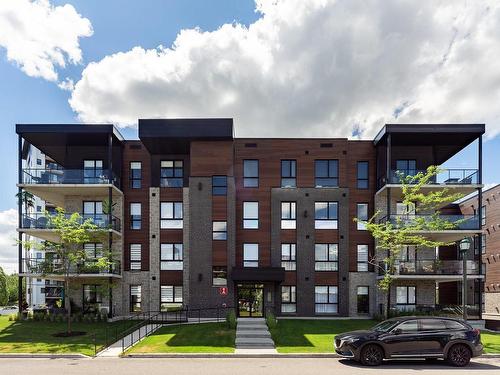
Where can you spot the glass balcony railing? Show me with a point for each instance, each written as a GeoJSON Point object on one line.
{"type": "Point", "coordinates": [434, 223]}
{"type": "Point", "coordinates": [432, 267]}
{"type": "Point", "coordinates": [436, 310]}
{"type": "Point", "coordinates": [41, 221]}
{"type": "Point", "coordinates": [40, 266]}
{"type": "Point", "coordinates": [57, 176]}
{"type": "Point", "coordinates": [445, 176]}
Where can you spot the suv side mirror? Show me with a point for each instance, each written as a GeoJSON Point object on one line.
{"type": "Point", "coordinates": [397, 331]}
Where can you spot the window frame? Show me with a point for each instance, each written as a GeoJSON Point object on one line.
{"type": "Point", "coordinates": [219, 189]}
{"type": "Point", "coordinates": [174, 262]}
{"type": "Point", "coordinates": [251, 219]}
{"type": "Point", "coordinates": [361, 225]}
{"type": "Point", "coordinates": [135, 219]}
{"type": "Point", "coordinates": [328, 176]}
{"type": "Point", "coordinates": [291, 301]}
{"type": "Point", "coordinates": [289, 264]}
{"type": "Point", "coordinates": [135, 182]}
{"type": "Point", "coordinates": [133, 304]}
{"type": "Point", "coordinates": [250, 262]}
{"type": "Point", "coordinates": [177, 301]}
{"type": "Point", "coordinates": [407, 303]}
{"type": "Point", "coordinates": [96, 172]}
{"type": "Point", "coordinates": [334, 303]}
{"type": "Point", "coordinates": [328, 222]}
{"type": "Point", "coordinates": [134, 264]}
{"type": "Point", "coordinates": [288, 221]}
{"type": "Point", "coordinates": [176, 180]}
{"type": "Point", "coordinates": [222, 270]}
{"type": "Point", "coordinates": [331, 264]}
{"type": "Point", "coordinates": [292, 173]}
{"type": "Point", "coordinates": [165, 220]}
{"type": "Point", "coordinates": [362, 263]}
{"type": "Point", "coordinates": [367, 302]}
{"type": "Point", "coordinates": [483, 215]}
{"type": "Point", "coordinates": [215, 231]}
{"type": "Point", "coordinates": [253, 180]}
{"type": "Point", "coordinates": [363, 180]}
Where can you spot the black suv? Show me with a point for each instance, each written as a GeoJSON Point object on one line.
{"type": "Point", "coordinates": [412, 337]}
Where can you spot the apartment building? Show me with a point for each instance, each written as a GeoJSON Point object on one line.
{"type": "Point", "coordinates": [489, 250]}
{"type": "Point", "coordinates": [203, 219]}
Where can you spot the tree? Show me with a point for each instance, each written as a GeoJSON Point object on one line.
{"type": "Point", "coordinates": [406, 230]}
{"type": "Point", "coordinates": [73, 233]}
{"type": "Point", "coordinates": [4, 293]}
{"type": "Point", "coordinates": [27, 199]}
{"type": "Point", "coordinates": [13, 288]}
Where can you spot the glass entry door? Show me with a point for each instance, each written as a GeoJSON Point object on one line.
{"type": "Point", "coordinates": [250, 300]}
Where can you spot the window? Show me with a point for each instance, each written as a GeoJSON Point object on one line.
{"type": "Point", "coordinates": [135, 216]}
{"type": "Point", "coordinates": [326, 299]}
{"type": "Point", "coordinates": [405, 297]}
{"type": "Point", "coordinates": [483, 243]}
{"type": "Point", "coordinates": [171, 257]}
{"type": "Point", "coordinates": [250, 255]}
{"type": "Point", "coordinates": [219, 185]}
{"type": "Point", "coordinates": [327, 173]}
{"type": "Point", "coordinates": [432, 325]}
{"type": "Point", "coordinates": [171, 173]}
{"type": "Point", "coordinates": [250, 215]}
{"type": "Point", "coordinates": [288, 215]}
{"type": "Point", "coordinates": [38, 161]}
{"type": "Point", "coordinates": [325, 215]}
{"type": "Point", "coordinates": [93, 210]}
{"type": "Point", "coordinates": [219, 230]}
{"type": "Point", "coordinates": [410, 326]}
{"type": "Point", "coordinates": [288, 299]}
{"type": "Point", "coordinates": [92, 296]}
{"type": "Point", "coordinates": [362, 215]}
{"type": "Point", "coordinates": [92, 171]}
{"type": "Point", "coordinates": [362, 175]}
{"type": "Point", "coordinates": [288, 174]}
{"type": "Point", "coordinates": [363, 297]}
{"type": "Point", "coordinates": [219, 276]}
{"type": "Point", "coordinates": [407, 253]}
{"type": "Point", "coordinates": [135, 256]}
{"type": "Point", "coordinates": [288, 253]}
{"type": "Point", "coordinates": [454, 325]}
{"type": "Point", "coordinates": [170, 297]}
{"type": "Point", "coordinates": [362, 258]}
{"type": "Point", "coordinates": [406, 210]}
{"type": "Point", "coordinates": [483, 269]}
{"type": "Point", "coordinates": [135, 174]}
{"type": "Point", "coordinates": [406, 167]}
{"type": "Point", "coordinates": [250, 173]}
{"type": "Point", "coordinates": [135, 298]}
{"type": "Point", "coordinates": [93, 251]}
{"type": "Point", "coordinates": [171, 215]}
{"type": "Point", "coordinates": [326, 257]}
{"type": "Point", "coordinates": [483, 215]}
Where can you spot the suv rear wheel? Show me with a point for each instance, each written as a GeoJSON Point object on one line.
{"type": "Point", "coordinates": [459, 355]}
{"type": "Point", "coordinates": [372, 355]}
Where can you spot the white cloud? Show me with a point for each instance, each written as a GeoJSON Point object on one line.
{"type": "Point", "coordinates": [313, 68]}
{"type": "Point", "coordinates": [38, 36]}
{"type": "Point", "coordinates": [8, 236]}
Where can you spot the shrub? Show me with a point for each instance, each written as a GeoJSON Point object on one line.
{"type": "Point", "coordinates": [271, 320]}
{"type": "Point", "coordinates": [231, 319]}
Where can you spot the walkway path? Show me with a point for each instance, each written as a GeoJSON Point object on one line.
{"type": "Point", "coordinates": [115, 349]}
{"type": "Point", "coordinates": [253, 337]}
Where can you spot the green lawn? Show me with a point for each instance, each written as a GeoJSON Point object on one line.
{"type": "Point", "coordinates": [316, 336]}
{"type": "Point", "coordinates": [36, 337]}
{"type": "Point", "coordinates": [189, 338]}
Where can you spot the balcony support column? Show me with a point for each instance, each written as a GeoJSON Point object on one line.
{"type": "Point", "coordinates": [19, 223]}
{"type": "Point", "coordinates": [110, 220]}
{"type": "Point", "coordinates": [480, 210]}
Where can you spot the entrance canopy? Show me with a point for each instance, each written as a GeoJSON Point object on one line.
{"type": "Point", "coordinates": [260, 274]}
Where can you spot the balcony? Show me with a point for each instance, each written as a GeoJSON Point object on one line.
{"type": "Point", "coordinates": [52, 184]}
{"type": "Point", "coordinates": [39, 225]}
{"type": "Point", "coordinates": [53, 268]}
{"type": "Point", "coordinates": [432, 267]}
{"type": "Point", "coordinates": [454, 311]}
{"type": "Point", "coordinates": [444, 177]}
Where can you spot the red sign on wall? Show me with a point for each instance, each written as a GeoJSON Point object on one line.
{"type": "Point", "coordinates": [223, 291]}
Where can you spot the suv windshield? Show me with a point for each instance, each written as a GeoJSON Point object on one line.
{"type": "Point", "coordinates": [385, 326]}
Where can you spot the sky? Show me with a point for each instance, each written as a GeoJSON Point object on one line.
{"type": "Point", "coordinates": [320, 68]}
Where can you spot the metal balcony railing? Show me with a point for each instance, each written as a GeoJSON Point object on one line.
{"type": "Point", "coordinates": [431, 267]}
{"type": "Point", "coordinates": [56, 176]}
{"type": "Point", "coordinates": [42, 221]}
{"type": "Point", "coordinates": [40, 266]}
{"type": "Point", "coordinates": [444, 177]}
{"type": "Point", "coordinates": [434, 223]}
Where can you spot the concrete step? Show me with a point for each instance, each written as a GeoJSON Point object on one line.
{"type": "Point", "coordinates": [245, 324]}
{"type": "Point", "coordinates": [251, 320]}
{"type": "Point", "coordinates": [254, 341]}
{"type": "Point", "coordinates": [265, 334]}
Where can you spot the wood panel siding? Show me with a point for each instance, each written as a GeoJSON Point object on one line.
{"type": "Point", "coordinates": [211, 158]}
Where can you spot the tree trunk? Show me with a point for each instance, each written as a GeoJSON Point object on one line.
{"type": "Point", "coordinates": [67, 303]}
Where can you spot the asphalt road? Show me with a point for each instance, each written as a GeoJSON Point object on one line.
{"type": "Point", "coordinates": [231, 366]}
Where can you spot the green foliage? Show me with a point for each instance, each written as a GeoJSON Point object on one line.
{"type": "Point", "coordinates": [271, 320]}
{"type": "Point", "coordinates": [4, 293]}
{"type": "Point", "coordinates": [231, 319]}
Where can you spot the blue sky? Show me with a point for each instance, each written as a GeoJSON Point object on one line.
{"type": "Point", "coordinates": [295, 67]}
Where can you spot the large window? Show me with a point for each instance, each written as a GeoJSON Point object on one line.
{"type": "Point", "coordinates": [250, 215]}
{"type": "Point", "coordinates": [483, 215]}
{"type": "Point", "coordinates": [219, 230]}
{"type": "Point", "coordinates": [219, 276]}
{"type": "Point", "coordinates": [326, 257]}
{"type": "Point", "coordinates": [92, 298]}
{"type": "Point", "coordinates": [326, 299]}
{"type": "Point", "coordinates": [250, 173]}
{"type": "Point", "coordinates": [362, 215]}
{"type": "Point", "coordinates": [170, 297]}
{"type": "Point", "coordinates": [288, 174]}
{"type": "Point", "coordinates": [171, 257]}
{"type": "Point", "coordinates": [250, 255]}
{"type": "Point", "coordinates": [363, 299]}
{"type": "Point", "coordinates": [362, 258]}
{"type": "Point", "coordinates": [288, 256]}
{"type": "Point", "coordinates": [288, 215]}
{"type": "Point", "coordinates": [219, 185]}
{"type": "Point", "coordinates": [135, 256]}
{"type": "Point", "coordinates": [406, 297]}
{"type": "Point", "coordinates": [93, 210]}
{"type": "Point", "coordinates": [362, 175]}
{"type": "Point", "coordinates": [327, 173]}
{"type": "Point", "coordinates": [171, 173]}
{"type": "Point", "coordinates": [135, 298]}
{"type": "Point", "coordinates": [92, 250]}
{"type": "Point", "coordinates": [135, 216]}
{"type": "Point", "coordinates": [135, 174]}
{"type": "Point", "coordinates": [406, 167]}
{"type": "Point", "coordinates": [92, 171]}
{"type": "Point", "coordinates": [288, 299]}
{"type": "Point", "coordinates": [326, 215]}
{"type": "Point", "coordinates": [171, 215]}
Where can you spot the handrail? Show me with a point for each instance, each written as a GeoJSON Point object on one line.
{"type": "Point", "coordinates": [58, 176]}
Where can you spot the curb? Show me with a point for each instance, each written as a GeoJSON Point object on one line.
{"type": "Point", "coordinates": [282, 355]}
{"type": "Point", "coordinates": [43, 355]}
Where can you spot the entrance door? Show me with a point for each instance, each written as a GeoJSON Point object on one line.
{"type": "Point", "coordinates": [250, 300]}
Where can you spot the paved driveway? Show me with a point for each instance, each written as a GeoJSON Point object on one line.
{"type": "Point", "coordinates": [240, 366]}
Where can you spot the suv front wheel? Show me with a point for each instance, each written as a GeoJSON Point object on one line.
{"type": "Point", "coordinates": [459, 355]}
{"type": "Point", "coordinates": [372, 355]}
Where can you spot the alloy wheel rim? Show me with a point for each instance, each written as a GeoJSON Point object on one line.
{"type": "Point", "coordinates": [459, 355]}
{"type": "Point", "coordinates": [372, 355]}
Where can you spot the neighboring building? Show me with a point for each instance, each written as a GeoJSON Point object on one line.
{"type": "Point", "coordinates": [489, 249]}
{"type": "Point", "coordinates": [202, 219]}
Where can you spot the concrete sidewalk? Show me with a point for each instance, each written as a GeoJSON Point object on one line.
{"type": "Point", "coordinates": [115, 349]}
